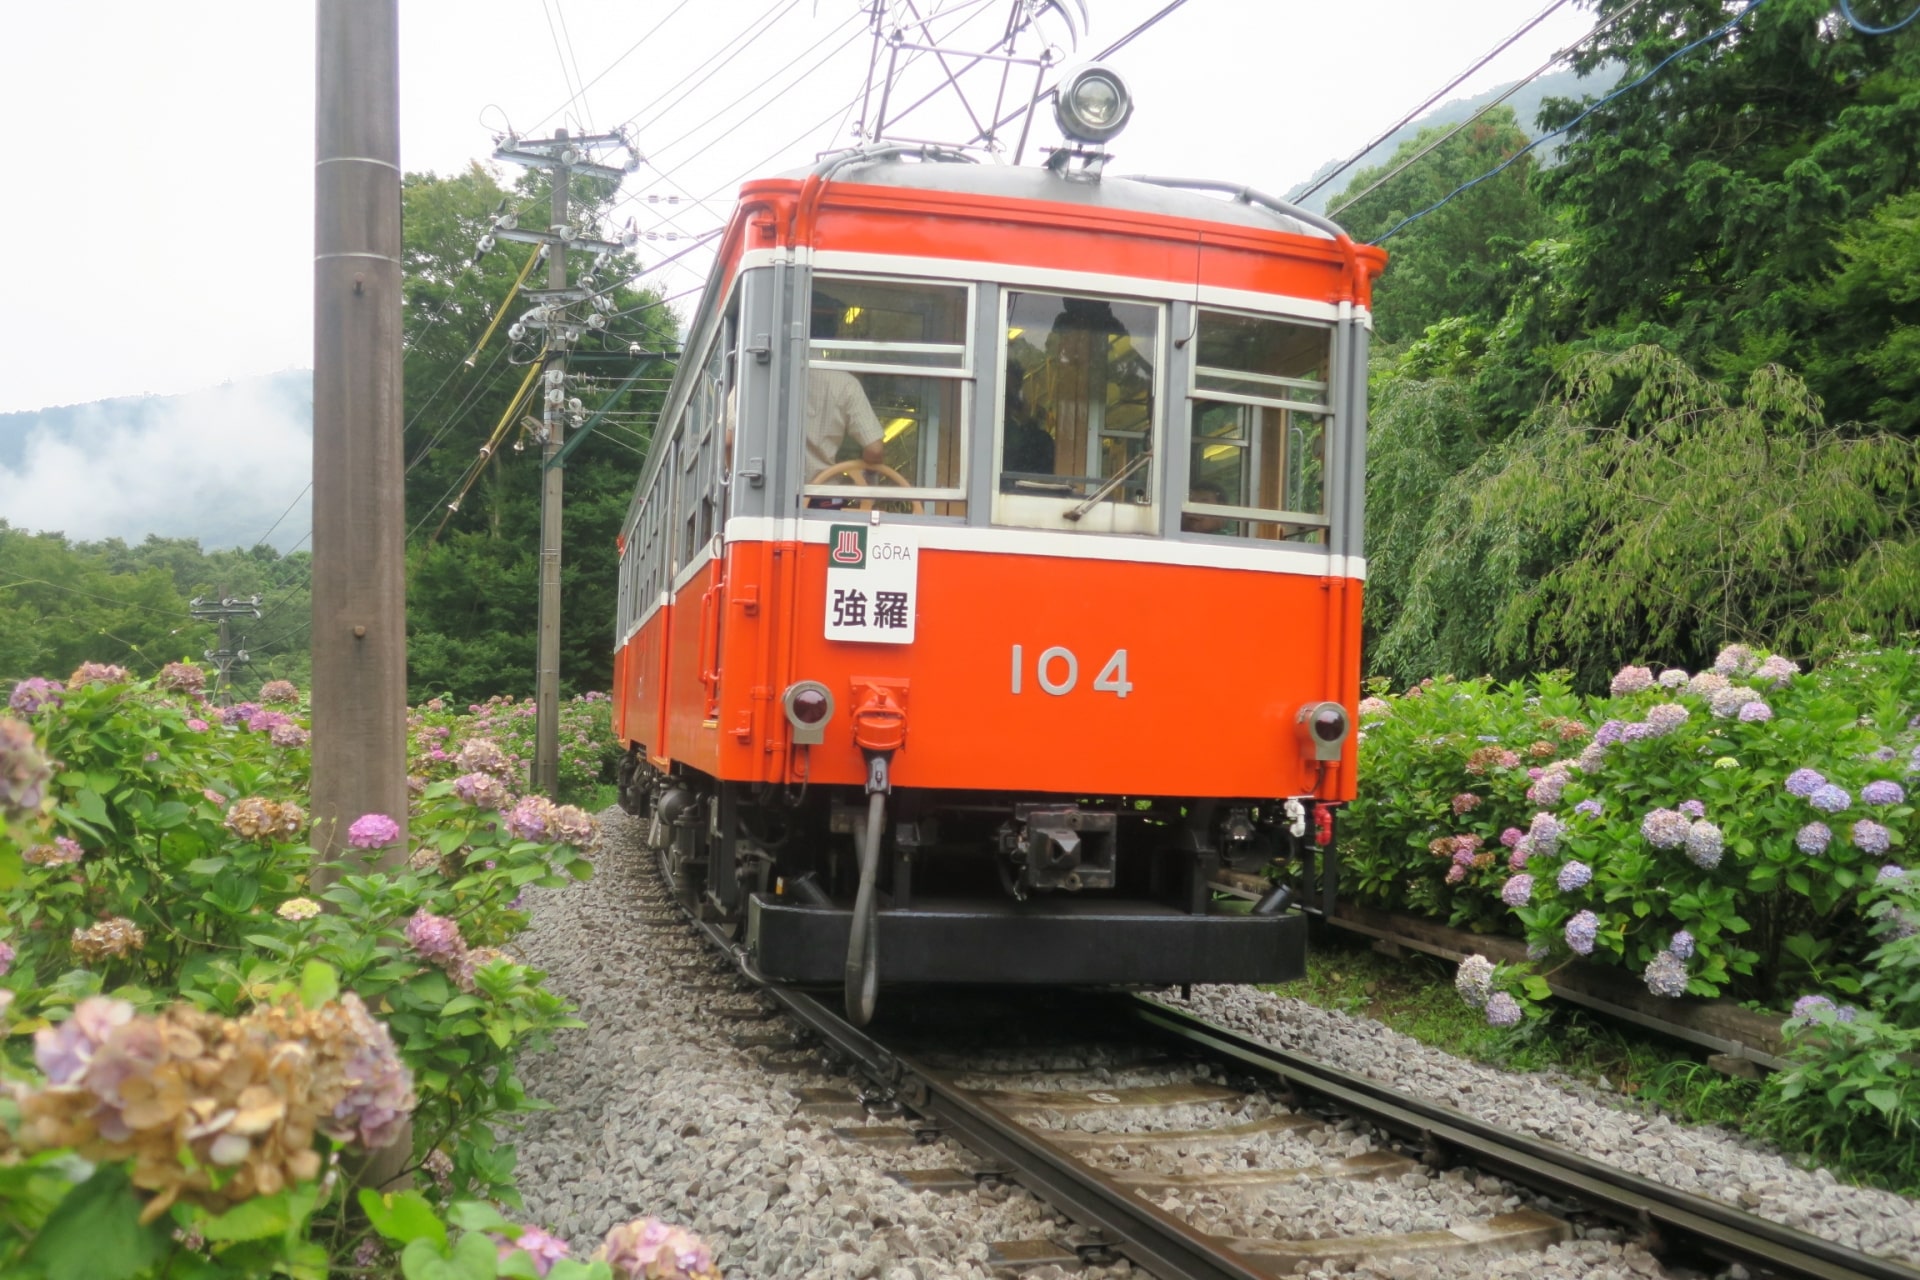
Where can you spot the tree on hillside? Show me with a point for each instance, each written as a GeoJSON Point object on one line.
{"type": "Point", "coordinates": [473, 571]}
{"type": "Point", "coordinates": [1459, 261]}
{"type": "Point", "coordinates": [1712, 203]}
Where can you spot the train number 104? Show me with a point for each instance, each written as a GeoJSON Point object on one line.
{"type": "Point", "coordinates": [1057, 671]}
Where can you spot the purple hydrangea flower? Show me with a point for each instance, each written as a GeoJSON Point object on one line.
{"type": "Point", "coordinates": [7, 954]}
{"type": "Point", "coordinates": [1871, 837]}
{"type": "Point", "coordinates": [33, 693]}
{"type": "Point", "coordinates": [1706, 684]}
{"type": "Point", "coordinates": [1693, 808]}
{"type": "Point", "coordinates": [1666, 717]}
{"type": "Point", "coordinates": [1549, 786]}
{"type": "Point", "coordinates": [1545, 831]}
{"type": "Point", "coordinates": [381, 1097]}
{"type": "Point", "coordinates": [1734, 660]}
{"type": "Point", "coordinates": [1804, 782]}
{"type": "Point", "coordinates": [1705, 844]}
{"type": "Point", "coordinates": [1890, 873]}
{"type": "Point", "coordinates": [1590, 808]}
{"type": "Point", "coordinates": [1575, 875]}
{"type": "Point", "coordinates": [1813, 838]}
{"type": "Point", "coordinates": [1776, 671]}
{"type": "Point", "coordinates": [436, 938]}
{"type": "Point", "coordinates": [1538, 951]}
{"type": "Point", "coordinates": [1726, 703]}
{"type": "Point", "coordinates": [1830, 799]}
{"type": "Point", "coordinates": [373, 831]}
{"type": "Point", "coordinates": [1883, 793]}
{"type": "Point", "coordinates": [531, 819]}
{"type": "Point", "coordinates": [1511, 836]}
{"type": "Point", "coordinates": [1756, 713]}
{"type": "Point", "coordinates": [24, 770]}
{"type": "Point", "coordinates": [1517, 891]}
{"type": "Point", "coordinates": [1581, 932]}
{"type": "Point", "coordinates": [1666, 975]}
{"type": "Point", "coordinates": [1593, 757]}
{"type": "Point", "coordinates": [544, 1250]}
{"type": "Point", "coordinates": [1638, 731]}
{"type": "Point", "coordinates": [1502, 1010]}
{"type": "Point", "coordinates": [1665, 829]}
{"type": "Point", "coordinates": [482, 790]}
{"type": "Point", "coordinates": [1631, 680]}
{"type": "Point", "coordinates": [1609, 733]}
{"type": "Point", "coordinates": [1681, 944]}
{"type": "Point", "coordinates": [1807, 1008]}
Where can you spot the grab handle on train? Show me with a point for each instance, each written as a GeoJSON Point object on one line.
{"type": "Point", "coordinates": [863, 932]}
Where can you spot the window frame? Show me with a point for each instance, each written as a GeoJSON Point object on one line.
{"type": "Point", "coordinates": [964, 373]}
{"type": "Point", "coordinates": [1327, 412]}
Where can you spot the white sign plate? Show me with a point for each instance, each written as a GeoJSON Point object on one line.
{"type": "Point", "coordinates": [873, 578]}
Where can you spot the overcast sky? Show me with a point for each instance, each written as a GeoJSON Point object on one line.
{"type": "Point", "coordinates": [159, 226]}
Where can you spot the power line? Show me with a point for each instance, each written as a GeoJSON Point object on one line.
{"type": "Point", "coordinates": [1431, 98]}
{"type": "Point", "coordinates": [578, 95]}
{"type": "Point", "coordinates": [765, 22]}
{"type": "Point", "coordinates": [1469, 122]}
{"type": "Point", "coordinates": [631, 50]}
{"type": "Point", "coordinates": [1657, 68]}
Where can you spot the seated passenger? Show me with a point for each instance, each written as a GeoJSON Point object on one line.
{"type": "Point", "coordinates": [1214, 496]}
{"type": "Point", "coordinates": [837, 405]}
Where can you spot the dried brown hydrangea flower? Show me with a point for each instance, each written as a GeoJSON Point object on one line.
{"type": "Point", "coordinates": [113, 938]}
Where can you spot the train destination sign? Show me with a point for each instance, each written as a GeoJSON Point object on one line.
{"type": "Point", "coordinates": [873, 575]}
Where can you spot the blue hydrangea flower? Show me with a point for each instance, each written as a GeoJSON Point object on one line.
{"type": "Point", "coordinates": [1830, 799]}
{"type": "Point", "coordinates": [1575, 875]}
{"type": "Point", "coordinates": [1813, 838]}
{"type": "Point", "coordinates": [1704, 844]}
{"type": "Point", "coordinates": [1871, 837]}
{"type": "Point", "coordinates": [1545, 831]}
{"type": "Point", "coordinates": [1502, 1010]}
{"type": "Point", "coordinates": [1883, 793]}
{"type": "Point", "coordinates": [1681, 944]}
{"type": "Point", "coordinates": [1890, 873]}
{"type": "Point", "coordinates": [1581, 932]}
{"type": "Point", "coordinates": [1590, 808]}
{"type": "Point", "coordinates": [1694, 808]}
{"type": "Point", "coordinates": [1538, 951]}
{"type": "Point", "coordinates": [1638, 731]}
{"type": "Point", "coordinates": [1517, 891]}
{"type": "Point", "coordinates": [1666, 975]}
{"type": "Point", "coordinates": [1664, 829]}
{"type": "Point", "coordinates": [1610, 732]}
{"type": "Point", "coordinates": [1804, 782]}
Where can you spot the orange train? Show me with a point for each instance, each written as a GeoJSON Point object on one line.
{"type": "Point", "coordinates": [994, 577]}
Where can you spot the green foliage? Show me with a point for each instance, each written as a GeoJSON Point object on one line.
{"type": "Point", "coordinates": [1652, 513]}
{"type": "Point", "coordinates": [1460, 260]}
{"type": "Point", "coordinates": [589, 754]}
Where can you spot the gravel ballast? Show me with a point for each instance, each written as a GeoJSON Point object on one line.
{"type": "Point", "coordinates": [658, 1110]}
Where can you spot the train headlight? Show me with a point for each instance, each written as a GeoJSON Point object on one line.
{"type": "Point", "coordinates": [809, 705]}
{"type": "Point", "coordinates": [1323, 729]}
{"type": "Point", "coordinates": [1093, 105]}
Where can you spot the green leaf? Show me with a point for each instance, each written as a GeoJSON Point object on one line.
{"type": "Point", "coordinates": [475, 1215]}
{"type": "Point", "coordinates": [459, 1004]}
{"type": "Point", "coordinates": [207, 866]}
{"type": "Point", "coordinates": [1886, 1100]}
{"type": "Point", "coordinates": [1536, 987]}
{"type": "Point", "coordinates": [319, 983]}
{"type": "Point", "coordinates": [250, 1220]}
{"type": "Point", "coordinates": [170, 815]}
{"type": "Point", "coordinates": [94, 1232]}
{"type": "Point", "coordinates": [404, 1217]}
{"type": "Point", "coordinates": [92, 808]}
{"type": "Point", "coordinates": [474, 1258]}
{"type": "Point", "coordinates": [580, 869]}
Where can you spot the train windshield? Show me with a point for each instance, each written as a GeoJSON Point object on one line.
{"type": "Point", "coordinates": [1078, 427]}
{"type": "Point", "coordinates": [887, 372]}
{"type": "Point", "coordinates": [1258, 442]}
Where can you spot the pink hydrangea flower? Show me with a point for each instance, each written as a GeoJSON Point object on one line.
{"type": "Point", "coordinates": [373, 831]}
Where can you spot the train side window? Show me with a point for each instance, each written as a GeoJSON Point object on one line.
{"type": "Point", "coordinates": [1078, 417]}
{"type": "Point", "coordinates": [1258, 439]}
{"type": "Point", "coordinates": [887, 378]}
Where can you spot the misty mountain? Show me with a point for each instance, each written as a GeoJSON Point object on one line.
{"type": "Point", "coordinates": [220, 465]}
{"type": "Point", "coordinates": [1526, 108]}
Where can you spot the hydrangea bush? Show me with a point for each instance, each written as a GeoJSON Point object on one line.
{"type": "Point", "coordinates": [1667, 827]}
{"type": "Point", "coordinates": [589, 755]}
{"type": "Point", "coordinates": [193, 1033]}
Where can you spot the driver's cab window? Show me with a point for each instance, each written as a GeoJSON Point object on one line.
{"type": "Point", "coordinates": [887, 373]}
{"type": "Point", "coordinates": [1078, 427]}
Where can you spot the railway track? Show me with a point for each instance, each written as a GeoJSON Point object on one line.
{"type": "Point", "coordinates": [1139, 1192]}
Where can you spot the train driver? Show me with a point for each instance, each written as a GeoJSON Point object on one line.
{"type": "Point", "coordinates": [837, 405]}
{"type": "Point", "coordinates": [1214, 496]}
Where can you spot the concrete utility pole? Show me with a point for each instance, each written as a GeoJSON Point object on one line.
{"type": "Point", "coordinates": [563, 156]}
{"type": "Point", "coordinates": [224, 611]}
{"type": "Point", "coordinates": [359, 516]}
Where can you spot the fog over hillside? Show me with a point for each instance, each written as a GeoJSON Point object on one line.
{"type": "Point", "coordinates": [219, 465]}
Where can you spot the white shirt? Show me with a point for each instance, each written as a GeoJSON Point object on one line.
{"type": "Point", "coordinates": [836, 407]}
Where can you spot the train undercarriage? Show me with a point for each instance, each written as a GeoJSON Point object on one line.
{"type": "Point", "coordinates": [900, 887]}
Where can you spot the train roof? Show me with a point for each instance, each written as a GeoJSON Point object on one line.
{"type": "Point", "coordinates": [1032, 182]}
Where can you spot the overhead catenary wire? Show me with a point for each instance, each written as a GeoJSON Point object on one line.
{"type": "Point", "coordinates": [1480, 62]}
{"type": "Point", "coordinates": [1552, 62]}
{"type": "Point", "coordinates": [630, 51]}
{"type": "Point", "coordinates": [1655, 70]}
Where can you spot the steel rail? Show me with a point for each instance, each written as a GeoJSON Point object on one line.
{"type": "Point", "coordinates": [1682, 1218]}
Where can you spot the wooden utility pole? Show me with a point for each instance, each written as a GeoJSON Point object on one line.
{"type": "Point", "coordinates": [359, 516]}
{"type": "Point", "coordinates": [563, 156]}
